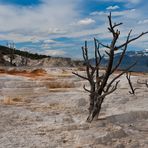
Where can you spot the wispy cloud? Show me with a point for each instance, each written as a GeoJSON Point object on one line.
{"type": "Point", "coordinates": [85, 21]}
{"type": "Point", "coordinates": [41, 20]}
{"type": "Point", "coordinates": [113, 7]}
{"type": "Point", "coordinates": [54, 52]}
{"type": "Point", "coordinates": [125, 13]}
{"type": "Point", "coordinates": [134, 1]}
{"type": "Point", "coordinates": [145, 21]}
{"type": "Point", "coordinates": [49, 41]}
{"type": "Point", "coordinates": [127, 1]}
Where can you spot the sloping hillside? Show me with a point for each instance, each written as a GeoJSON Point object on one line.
{"type": "Point", "coordinates": [24, 58]}
{"type": "Point", "coordinates": [7, 51]}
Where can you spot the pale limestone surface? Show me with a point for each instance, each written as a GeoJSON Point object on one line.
{"type": "Point", "coordinates": [34, 116]}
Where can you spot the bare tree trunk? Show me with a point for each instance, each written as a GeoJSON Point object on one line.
{"type": "Point", "coordinates": [95, 110]}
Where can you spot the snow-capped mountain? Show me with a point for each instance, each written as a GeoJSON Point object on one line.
{"type": "Point", "coordinates": [141, 57]}
{"type": "Point", "coordinates": [137, 53]}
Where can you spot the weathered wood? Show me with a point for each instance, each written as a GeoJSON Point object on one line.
{"type": "Point", "coordinates": [128, 76]}
{"type": "Point", "coordinates": [102, 85]}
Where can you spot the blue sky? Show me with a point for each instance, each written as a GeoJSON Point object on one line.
{"type": "Point", "coordinates": [59, 28]}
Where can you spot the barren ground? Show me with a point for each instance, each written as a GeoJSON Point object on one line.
{"type": "Point", "coordinates": [40, 109]}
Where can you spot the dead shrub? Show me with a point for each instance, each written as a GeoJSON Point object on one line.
{"type": "Point", "coordinates": [2, 71]}
{"type": "Point", "coordinates": [81, 68]}
{"type": "Point", "coordinates": [39, 71]}
{"type": "Point", "coordinates": [60, 84]}
{"type": "Point", "coordinates": [11, 101]}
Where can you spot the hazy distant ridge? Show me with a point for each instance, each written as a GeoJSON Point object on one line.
{"type": "Point", "coordinates": [131, 57]}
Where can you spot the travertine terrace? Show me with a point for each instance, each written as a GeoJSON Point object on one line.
{"type": "Point", "coordinates": [48, 109]}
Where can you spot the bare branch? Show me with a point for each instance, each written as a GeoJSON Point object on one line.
{"type": "Point", "coordinates": [111, 29]}
{"type": "Point", "coordinates": [109, 92]}
{"type": "Point", "coordinates": [126, 70]}
{"type": "Point", "coordinates": [111, 54]}
{"type": "Point", "coordinates": [115, 25]}
{"type": "Point", "coordinates": [80, 76]}
{"type": "Point", "coordinates": [128, 76]}
{"type": "Point", "coordinates": [83, 52]}
{"type": "Point", "coordinates": [123, 53]}
{"type": "Point", "coordinates": [107, 53]}
{"type": "Point", "coordinates": [106, 46]}
{"type": "Point", "coordinates": [87, 89]}
{"type": "Point", "coordinates": [97, 51]}
{"type": "Point", "coordinates": [146, 82]}
{"type": "Point", "coordinates": [133, 39]}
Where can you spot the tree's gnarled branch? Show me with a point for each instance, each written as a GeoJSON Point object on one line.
{"type": "Point", "coordinates": [123, 53]}
{"type": "Point", "coordinates": [133, 39]}
{"type": "Point", "coordinates": [125, 71]}
{"type": "Point", "coordinates": [110, 53]}
{"type": "Point", "coordinates": [146, 82]}
{"type": "Point", "coordinates": [128, 76]}
{"type": "Point", "coordinates": [86, 89]}
{"type": "Point", "coordinates": [85, 52]}
{"type": "Point", "coordinates": [111, 91]}
{"type": "Point", "coordinates": [107, 53]}
{"type": "Point", "coordinates": [98, 56]}
{"type": "Point", "coordinates": [106, 46]}
{"type": "Point", "coordinates": [118, 24]}
{"type": "Point", "coordinates": [111, 27]}
{"type": "Point", "coordinates": [86, 59]}
{"type": "Point", "coordinates": [83, 77]}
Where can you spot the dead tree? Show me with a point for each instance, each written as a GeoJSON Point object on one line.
{"type": "Point", "coordinates": [128, 76]}
{"type": "Point", "coordinates": [101, 84]}
{"type": "Point", "coordinates": [24, 59]}
{"type": "Point", "coordinates": [146, 83]}
{"type": "Point", "coordinates": [11, 55]}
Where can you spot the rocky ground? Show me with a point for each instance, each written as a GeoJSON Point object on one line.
{"type": "Point", "coordinates": [48, 109]}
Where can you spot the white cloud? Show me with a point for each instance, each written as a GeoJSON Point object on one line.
{"type": "Point", "coordinates": [143, 21]}
{"type": "Point", "coordinates": [125, 13]}
{"type": "Point", "coordinates": [50, 17]}
{"type": "Point", "coordinates": [134, 1]}
{"type": "Point", "coordinates": [49, 41]}
{"type": "Point", "coordinates": [86, 21]}
{"type": "Point", "coordinates": [35, 41]}
{"type": "Point", "coordinates": [113, 7]}
{"type": "Point", "coordinates": [127, 1]}
{"type": "Point", "coordinates": [98, 13]}
{"type": "Point", "coordinates": [84, 33]}
{"type": "Point", "coordinates": [45, 46]}
{"type": "Point", "coordinates": [54, 52]}
{"type": "Point", "coordinates": [16, 37]}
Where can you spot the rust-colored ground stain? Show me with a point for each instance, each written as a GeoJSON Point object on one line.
{"type": "Point", "coordinates": [31, 74]}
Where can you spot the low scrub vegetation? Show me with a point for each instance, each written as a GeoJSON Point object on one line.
{"type": "Point", "coordinates": [60, 84]}
{"type": "Point", "coordinates": [12, 101]}
{"type": "Point", "coordinates": [36, 72]}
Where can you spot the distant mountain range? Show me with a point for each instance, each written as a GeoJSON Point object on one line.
{"type": "Point", "coordinates": [130, 57]}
